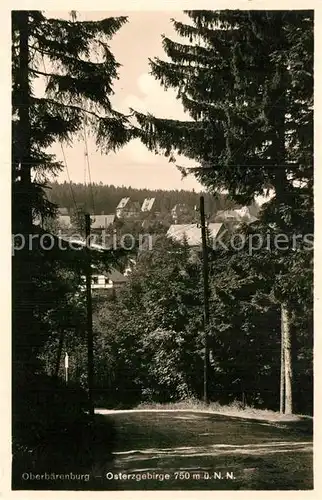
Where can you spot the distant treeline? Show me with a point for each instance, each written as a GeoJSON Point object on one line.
{"type": "Point", "coordinates": [106, 197]}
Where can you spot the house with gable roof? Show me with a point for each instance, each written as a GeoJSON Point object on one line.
{"type": "Point", "coordinates": [191, 233]}
{"type": "Point", "coordinates": [100, 222]}
{"type": "Point", "coordinates": [238, 215]}
{"type": "Point", "coordinates": [128, 209]}
{"type": "Point", "coordinates": [147, 204]}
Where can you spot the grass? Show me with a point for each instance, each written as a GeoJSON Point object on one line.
{"type": "Point", "coordinates": [183, 446]}
{"type": "Point", "coordinates": [233, 409]}
{"type": "Point", "coordinates": [247, 454]}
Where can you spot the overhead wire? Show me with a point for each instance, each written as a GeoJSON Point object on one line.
{"type": "Point", "coordinates": [63, 152]}
{"type": "Point", "coordinates": [69, 179]}
{"type": "Point", "coordinates": [85, 167]}
{"type": "Point", "coordinates": [89, 169]}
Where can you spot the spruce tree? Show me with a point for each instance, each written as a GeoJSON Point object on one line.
{"type": "Point", "coordinates": [79, 69]}
{"type": "Point", "coordinates": [246, 80]}
{"type": "Point", "coordinates": [75, 59]}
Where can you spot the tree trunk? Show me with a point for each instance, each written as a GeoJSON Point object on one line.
{"type": "Point", "coordinates": [59, 353]}
{"type": "Point", "coordinates": [287, 360]}
{"type": "Point", "coordinates": [22, 329]}
{"type": "Point", "coordinates": [282, 379]}
{"type": "Point", "coordinates": [24, 125]}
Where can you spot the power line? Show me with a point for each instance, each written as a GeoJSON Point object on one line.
{"type": "Point", "coordinates": [64, 157]}
{"type": "Point", "coordinates": [89, 169]}
{"type": "Point", "coordinates": [70, 182]}
{"type": "Point", "coordinates": [85, 166]}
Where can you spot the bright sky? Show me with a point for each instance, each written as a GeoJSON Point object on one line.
{"type": "Point", "coordinates": [133, 45]}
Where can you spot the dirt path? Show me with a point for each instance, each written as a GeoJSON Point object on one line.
{"type": "Point", "coordinates": [174, 449]}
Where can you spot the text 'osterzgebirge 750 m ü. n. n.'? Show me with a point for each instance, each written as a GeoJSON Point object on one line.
{"type": "Point", "coordinates": [177, 476]}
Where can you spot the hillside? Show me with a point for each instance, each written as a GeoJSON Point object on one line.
{"type": "Point", "coordinates": [106, 197]}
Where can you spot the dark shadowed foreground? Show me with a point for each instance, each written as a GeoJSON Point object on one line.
{"type": "Point", "coordinates": [182, 450]}
{"type": "Point", "coordinates": [211, 451]}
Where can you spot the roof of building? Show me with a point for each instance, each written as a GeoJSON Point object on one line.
{"type": "Point", "coordinates": [102, 221]}
{"type": "Point", "coordinates": [64, 219]}
{"type": "Point", "coordinates": [123, 202]}
{"type": "Point", "coordinates": [192, 232]}
{"type": "Point", "coordinates": [135, 206]}
{"type": "Point", "coordinates": [239, 215]}
{"type": "Point", "coordinates": [227, 214]}
{"type": "Point", "coordinates": [179, 206]}
{"type": "Point", "coordinates": [147, 204]}
{"type": "Point", "coordinates": [113, 275]}
{"type": "Point", "coordinates": [243, 212]}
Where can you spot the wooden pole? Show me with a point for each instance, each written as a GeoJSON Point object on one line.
{"type": "Point", "coordinates": [66, 363]}
{"type": "Point", "coordinates": [90, 355]}
{"type": "Point", "coordinates": [59, 353]}
{"type": "Point", "coordinates": [287, 360]}
{"type": "Point", "coordinates": [206, 299]}
{"type": "Point", "coordinates": [282, 375]}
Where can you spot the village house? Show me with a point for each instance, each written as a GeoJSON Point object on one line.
{"type": "Point", "coordinates": [64, 221]}
{"type": "Point", "coordinates": [147, 204]}
{"type": "Point", "coordinates": [191, 233]}
{"type": "Point", "coordinates": [121, 207]}
{"type": "Point", "coordinates": [237, 215]}
{"type": "Point", "coordinates": [127, 209]}
{"type": "Point", "coordinates": [101, 222]}
{"type": "Point", "coordinates": [178, 211]}
{"type": "Point", "coordinates": [112, 279]}
{"type": "Point", "coordinates": [63, 211]}
{"type": "Point", "coordinates": [63, 218]}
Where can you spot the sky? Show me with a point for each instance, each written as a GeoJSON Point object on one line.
{"type": "Point", "coordinates": [132, 46]}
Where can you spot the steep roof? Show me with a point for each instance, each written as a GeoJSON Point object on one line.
{"type": "Point", "coordinates": [147, 204]}
{"type": "Point", "coordinates": [123, 202]}
{"type": "Point", "coordinates": [102, 221]}
{"type": "Point", "coordinates": [115, 276]}
{"type": "Point", "coordinates": [238, 215]}
{"type": "Point", "coordinates": [135, 206]}
{"type": "Point", "coordinates": [192, 232]}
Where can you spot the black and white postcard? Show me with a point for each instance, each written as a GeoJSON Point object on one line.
{"type": "Point", "coordinates": [162, 202]}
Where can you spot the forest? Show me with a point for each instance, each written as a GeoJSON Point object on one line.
{"type": "Point", "coordinates": [107, 198]}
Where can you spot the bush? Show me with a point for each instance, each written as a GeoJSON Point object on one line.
{"type": "Point", "coordinates": [52, 431]}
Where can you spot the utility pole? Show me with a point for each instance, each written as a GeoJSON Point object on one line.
{"type": "Point", "coordinates": [287, 359]}
{"type": "Point", "coordinates": [66, 368]}
{"type": "Point", "coordinates": [282, 379]}
{"type": "Point", "coordinates": [90, 355]}
{"type": "Point", "coordinates": [206, 298]}
{"type": "Point", "coordinates": [59, 353]}
{"type": "Point", "coordinates": [24, 156]}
